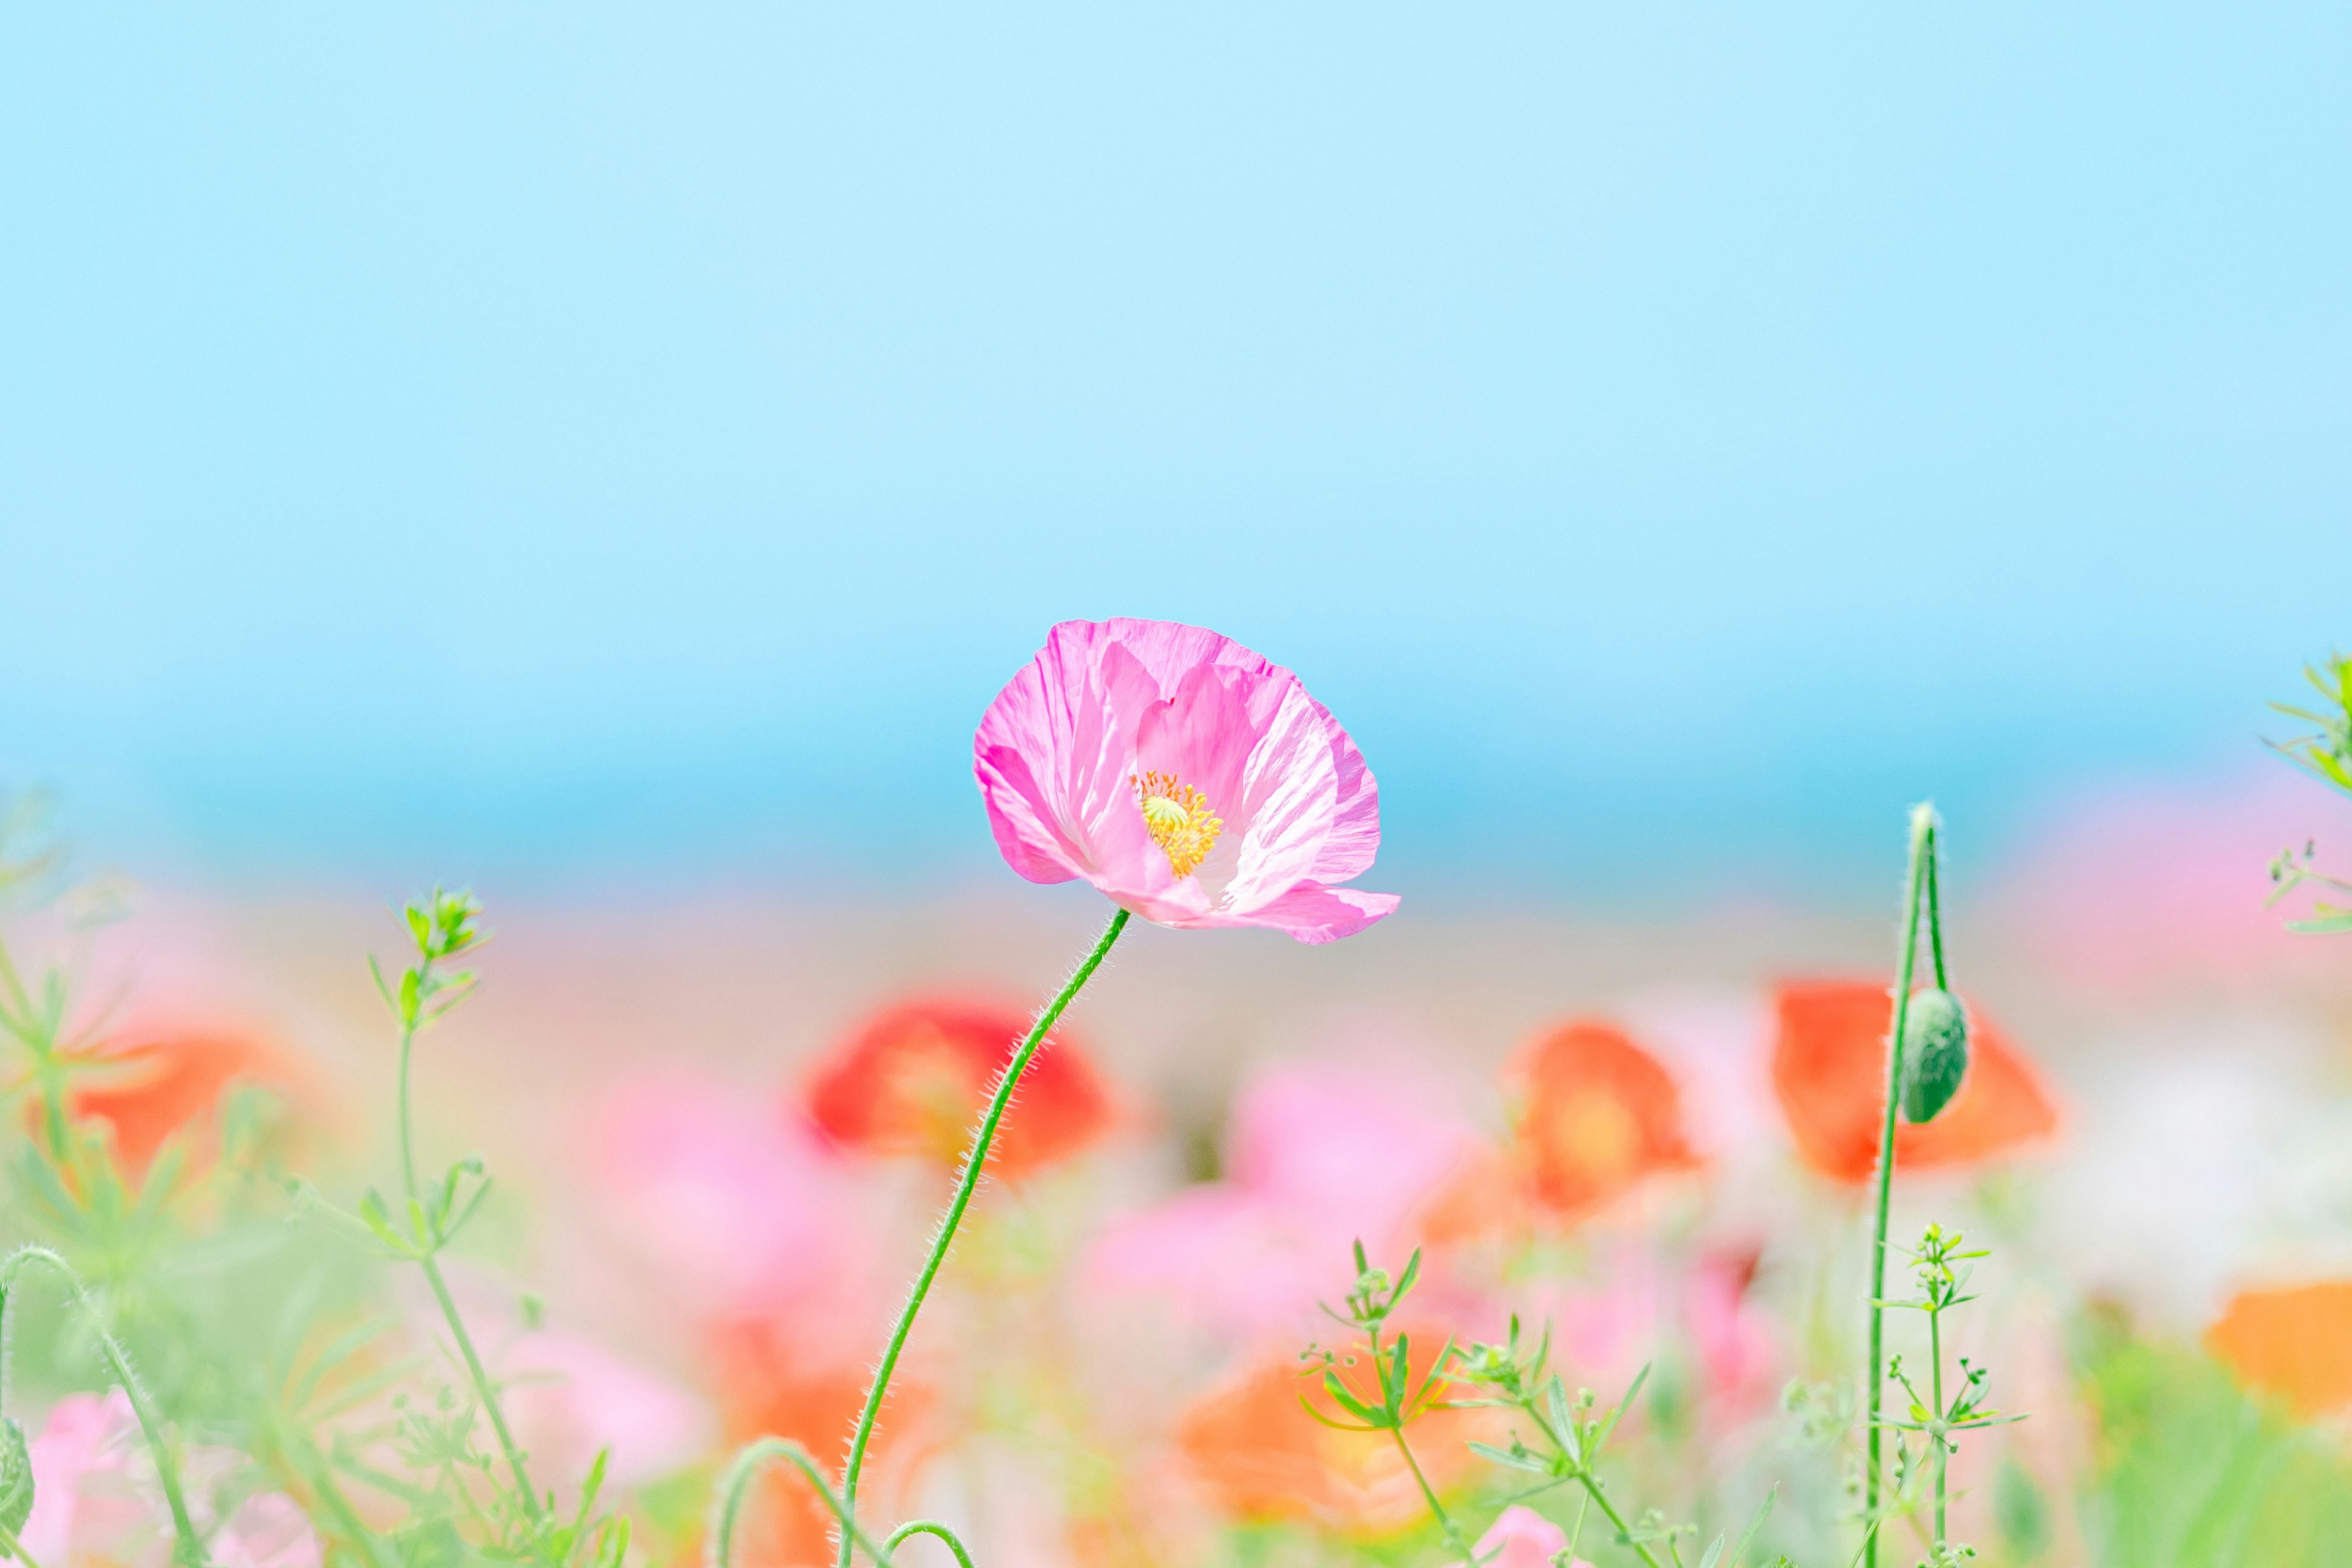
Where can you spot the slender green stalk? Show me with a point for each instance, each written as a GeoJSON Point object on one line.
{"type": "Point", "coordinates": [1454, 1536]}
{"type": "Point", "coordinates": [428, 1244]}
{"type": "Point", "coordinates": [189, 1551]}
{"type": "Point", "coordinates": [929, 1526]}
{"type": "Point", "coordinates": [975, 1158]}
{"type": "Point", "coordinates": [738, 1481]}
{"type": "Point", "coordinates": [1917, 879]}
{"type": "Point", "coordinates": [1936, 1371]}
{"type": "Point", "coordinates": [408, 1140]}
{"type": "Point", "coordinates": [12, 1547]}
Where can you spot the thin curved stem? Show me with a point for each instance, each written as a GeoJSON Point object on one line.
{"type": "Point", "coordinates": [738, 1482]}
{"type": "Point", "coordinates": [930, 1527]}
{"type": "Point", "coordinates": [1616, 1521]}
{"type": "Point", "coordinates": [190, 1552]}
{"type": "Point", "coordinates": [483, 1386]}
{"type": "Point", "coordinates": [974, 1159]}
{"type": "Point", "coordinates": [12, 1547]}
{"type": "Point", "coordinates": [1917, 879]}
{"type": "Point", "coordinates": [1454, 1536]}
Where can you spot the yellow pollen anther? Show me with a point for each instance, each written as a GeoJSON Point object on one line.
{"type": "Point", "coordinates": [1178, 817]}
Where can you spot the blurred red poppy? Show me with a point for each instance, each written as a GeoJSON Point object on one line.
{"type": "Point", "coordinates": [2294, 1341]}
{"type": "Point", "coordinates": [1598, 1114]}
{"type": "Point", "coordinates": [913, 1077]}
{"type": "Point", "coordinates": [146, 1088]}
{"type": "Point", "coordinates": [1829, 1069]}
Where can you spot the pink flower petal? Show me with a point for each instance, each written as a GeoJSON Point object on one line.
{"type": "Point", "coordinates": [1058, 755]}
{"type": "Point", "coordinates": [1522, 1538]}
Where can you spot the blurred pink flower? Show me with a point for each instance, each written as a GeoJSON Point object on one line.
{"type": "Point", "coordinates": [84, 1502]}
{"type": "Point", "coordinates": [269, 1529]}
{"type": "Point", "coordinates": [1603, 1335]}
{"type": "Point", "coordinates": [2163, 883]}
{"type": "Point", "coordinates": [1522, 1538]}
{"type": "Point", "coordinates": [1320, 1157]}
{"type": "Point", "coordinates": [1189, 779]}
{"type": "Point", "coordinates": [569, 1397]}
{"type": "Point", "coordinates": [96, 1499]}
{"type": "Point", "coordinates": [744, 1212]}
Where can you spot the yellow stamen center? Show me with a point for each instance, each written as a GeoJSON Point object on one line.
{"type": "Point", "coordinates": [1179, 819]}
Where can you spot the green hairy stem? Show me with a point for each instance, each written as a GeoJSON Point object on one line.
{"type": "Point", "coordinates": [1919, 886]}
{"type": "Point", "coordinates": [745, 1468]}
{"type": "Point", "coordinates": [189, 1548]}
{"type": "Point", "coordinates": [967, 1182]}
{"type": "Point", "coordinates": [932, 1527]}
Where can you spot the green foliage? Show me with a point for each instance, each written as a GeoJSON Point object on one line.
{"type": "Point", "coordinates": [16, 1479]}
{"type": "Point", "coordinates": [2196, 1473]}
{"type": "Point", "coordinates": [2325, 753]}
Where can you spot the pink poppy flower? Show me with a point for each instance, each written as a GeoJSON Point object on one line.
{"type": "Point", "coordinates": [1192, 781]}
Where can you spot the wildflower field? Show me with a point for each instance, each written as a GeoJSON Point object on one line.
{"type": "Point", "coordinates": [1543, 785]}
{"type": "Point", "coordinates": [2008, 1223]}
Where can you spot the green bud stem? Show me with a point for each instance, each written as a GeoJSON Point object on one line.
{"type": "Point", "coordinates": [1918, 884]}
{"type": "Point", "coordinates": [975, 1158]}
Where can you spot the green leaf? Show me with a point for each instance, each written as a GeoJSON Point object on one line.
{"type": "Point", "coordinates": [1623, 1404]}
{"type": "Point", "coordinates": [377, 1218]}
{"type": "Point", "coordinates": [1522, 1460]}
{"type": "Point", "coordinates": [1563, 1420]}
{"type": "Point", "coordinates": [1308, 1405]}
{"type": "Point", "coordinates": [1748, 1539]}
{"type": "Point", "coordinates": [1934, 1053]}
{"type": "Point", "coordinates": [1714, 1554]}
{"type": "Point", "coordinates": [1349, 1402]}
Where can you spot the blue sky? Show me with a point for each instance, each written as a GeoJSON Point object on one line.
{"type": "Point", "coordinates": [514, 440]}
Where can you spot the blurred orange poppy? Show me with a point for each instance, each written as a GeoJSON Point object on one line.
{"type": "Point", "coordinates": [1599, 1114]}
{"type": "Point", "coordinates": [147, 1088]}
{"type": "Point", "coordinates": [2294, 1341]}
{"type": "Point", "coordinates": [1262, 1457]}
{"type": "Point", "coordinates": [913, 1077]}
{"type": "Point", "coordinates": [765, 1388]}
{"type": "Point", "coordinates": [1829, 1069]}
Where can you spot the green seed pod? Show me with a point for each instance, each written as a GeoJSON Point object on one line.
{"type": "Point", "coordinates": [1934, 1053]}
{"type": "Point", "coordinates": [16, 1479]}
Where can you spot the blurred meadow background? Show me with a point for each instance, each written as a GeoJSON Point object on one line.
{"type": "Point", "coordinates": [608, 459]}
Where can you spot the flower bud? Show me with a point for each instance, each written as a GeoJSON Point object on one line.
{"type": "Point", "coordinates": [1934, 1053]}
